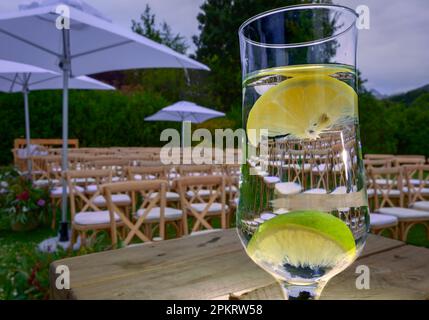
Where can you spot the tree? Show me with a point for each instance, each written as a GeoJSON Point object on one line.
{"type": "Point", "coordinates": [147, 27]}
{"type": "Point", "coordinates": [218, 46]}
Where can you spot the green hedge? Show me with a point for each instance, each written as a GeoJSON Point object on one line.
{"type": "Point", "coordinates": [97, 118]}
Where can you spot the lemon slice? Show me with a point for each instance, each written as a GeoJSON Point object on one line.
{"type": "Point", "coordinates": [302, 70]}
{"type": "Point", "coordinates": [303, 239]}
{"type": "Point", "coordinates": [302, 107]}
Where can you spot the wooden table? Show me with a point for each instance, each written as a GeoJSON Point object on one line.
{"type": "Point", "coordinates": [215, 266]}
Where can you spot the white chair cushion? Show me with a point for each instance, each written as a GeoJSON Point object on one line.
{"type": "Point", "coordinates": [202, 193]}
{"type": "Point", "coordinates": [288, 188]}
{"type": "Point", "coordinates": [267, 216]}
{"type": "Point", "coordinates": [271, 180]}
{"type": "Point", "coordinates": [95, 217]}
{"type": "Point", "coordinates": [58, 191]}
{"type": "Point", "coordinates": [118, 199]}
{"type": "Point", "coordinates": [169, 195]}
{"type": "Point", "coordinates": [379, 221]}
{"type": "Point", "coordinates": [41, 183]}
{"type": "Point", "coordinates": [155, 214]}
{"type": "Point", "coordinates": [421, 205]}
{"type": "Point", "coordinates": [316, 191]}
{"type": "Point", "coordinates": [92, 188]}
{"type": "Point", "coordinates": [404, 214]}
{"type": "Point", "coordinates": [391, 193]}
{"type": "Point", "coordinates": [83, 180]}
{"type": "Point", "coordinates": [424, 191]}
{"type": "Point", "coordinates": [231, 189]}
{"type": "Point", "coordinates": [215, 207]}
{"type": "Point", "coordinates": [147, 177]}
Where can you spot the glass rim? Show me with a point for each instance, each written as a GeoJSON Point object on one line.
{"type": "Point", "coordinates": [291, 8]}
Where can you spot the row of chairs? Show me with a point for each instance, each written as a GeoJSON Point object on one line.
{"type": "Point", "coordinates": [399, 197]}
{"type": "Point", "coordinates": [137, 207]}
{"type": "Point", "coordinates": [88, 181]}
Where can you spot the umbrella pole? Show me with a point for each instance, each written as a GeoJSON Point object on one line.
{"type": "Point", "coordinates": [27, 130]}
{"type": "Point", "coordinates": [65, 65]}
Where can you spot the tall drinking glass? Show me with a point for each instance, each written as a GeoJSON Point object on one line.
{"type": "Point", "coordinates": [302, 214]}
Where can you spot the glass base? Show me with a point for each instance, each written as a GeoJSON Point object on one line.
{"type": "Point", "coordinates": [302, 292]}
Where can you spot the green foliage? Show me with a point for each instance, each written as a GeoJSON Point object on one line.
{"type": "Point", "coordinates": [218, 46]}
{"type": "Point", "coordinates": [100, 119]}
{"type": "Point", "coordinates": [24, 271]}
{"type": "Point", "coordinates": [147, 27]}
{"type": "Point", "coordinates": [409, 97]}
{"type": "Point", "coordinates": [20, 201]}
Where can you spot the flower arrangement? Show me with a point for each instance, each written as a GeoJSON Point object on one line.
{"type": "Point", "coordinates": [24, 205]}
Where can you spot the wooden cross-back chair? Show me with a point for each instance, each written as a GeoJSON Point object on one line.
{"type": "Point", "coordinates": [203, 209]}
{"type": "Point", "coordinates": [195, 170]}
{"type": "Point", "coordinates": [387, 186]}
{"type": "Point", "coordinates": [378, 156]}
{"type": "Point", "coordinates": [297, 166]}
{"type": "Point", "coordinates": [417, 213]}
{"type": "Point", "coordinates": [88, 213]}
{"type": "Point", "coordinates": [321, 162]}
{"type": "Point", "coordinates": [411, 160]}
{"type": "Point", "coordinates": [417, 185]}
{"type": "Point", "coordinates": [118, 167]}
{"type": "Point", "coordinates": [149, 207]}
{"type": "Point", "coordinates": [155, 173]}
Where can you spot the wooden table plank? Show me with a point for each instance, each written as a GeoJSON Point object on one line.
{"type": "Point", "coordinates": [214, 266]}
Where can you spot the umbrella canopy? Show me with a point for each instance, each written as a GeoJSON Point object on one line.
{"type": "Point", "coordinates": [18, 77]}
{"type": "Point", "coordinates": [95, 44]}
{"type": "Point", "coordinates": [185, 111]}
{"type": "Point", "coordinates": [85, 44]}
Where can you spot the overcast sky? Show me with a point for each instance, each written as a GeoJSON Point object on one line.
{"type": "Point", "coordinates": [393, 54]}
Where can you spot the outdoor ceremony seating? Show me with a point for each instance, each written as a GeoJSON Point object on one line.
{"type": "Point", "coordinates": [389, 199]}
{"type": "Point", "coordinates": [203, 209]}
{"type": "Point", "coordinates": [149, 209]}
{"type": "Point", "coordinates": [88, 209]}
{"type": "Point", "coordinates": [155, 173]}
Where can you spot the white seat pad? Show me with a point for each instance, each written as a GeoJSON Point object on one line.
{"type": "Point", "coordinates": [202, 193]}
{"type": "Point", "coordinates": [155, 214]}
{"type": "Point", "coordinates": [421, 205]}
{"type": "Point", "coordinates": [95, 217]}
{"type": "Point", "coordinates": [288, 188]}
{"type": "Point", "coordinates": [316, 191]}
{"type": "Point", "coordinates": [215, 207]}
{"type": "Point", "coordinates": [92, 188]}
{"type": "Point", "coordinates": [122, 199]}
{"type": "Point", "coordinates": [58, 191]}
{"type": "Point", "coordinates": [231, 189]}
{"type": "Point", "coordinates": [379, 221]}
{"type": "Point", "coordinates": [169, 195]}
{"type": "Point", "coordinates": [271, 180]}
{"type": "Point", "coordinates": [404, 214]}
{"type": "Point", "coordinates": [395, 193]}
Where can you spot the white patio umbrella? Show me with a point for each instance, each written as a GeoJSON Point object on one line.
{"type": "Point", "coordinates": [185, 111]}
{"type": "Point", "coordinates": [18, 77]}
{"type": "Point", "coordinates": [78, 41]}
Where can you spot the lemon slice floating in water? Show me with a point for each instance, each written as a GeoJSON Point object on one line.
{"type": "Point", "coordinates": [302, 107]}
{"type": "Point", "coordinates": [303, 239]}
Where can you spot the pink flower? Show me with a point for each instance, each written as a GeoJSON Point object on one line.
{"type": "Point", "coordinates": [24, 196]}
{"type": "Point", "coordinates": [41, 202]}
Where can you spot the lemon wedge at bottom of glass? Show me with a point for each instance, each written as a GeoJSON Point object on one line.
{"type": "Point", "coordinates": [303, 239]}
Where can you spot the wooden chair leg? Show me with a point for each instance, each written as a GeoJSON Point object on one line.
{"type": "Point", "coordinates": [82, 239]}
{"type": "Point", "coordinates": [54, 213]}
